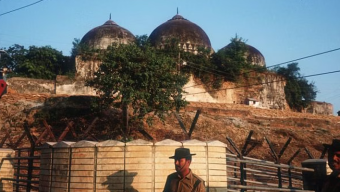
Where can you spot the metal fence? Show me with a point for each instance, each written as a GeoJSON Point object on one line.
{"type": "Point", "coordinates": [243, 173]}
{"type": "Point", "coordinates": [26, 165]}
{"type": "Point", "coordinates": [248, 174]}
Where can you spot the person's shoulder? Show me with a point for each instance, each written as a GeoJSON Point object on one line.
{"type": "Point", "coordinates": [174, 174]}
{"type": "Point", "coordinates": [197, 177]}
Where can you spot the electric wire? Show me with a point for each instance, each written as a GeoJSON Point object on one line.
{"type": "Point", "coordinates": [317, 54]}
{"type": "Point", "coordinates": [219, 71]}
{"type": "Point", "coordinates": [201, 69]}
{"type": "Point", "coordinates": [332, 97]}
{"type": "Point", "coordinates": [301, 58]}
{"type": "Point", "coordinates": [261, 83]}
{"type": "Point", "coordinates": [20, 8]}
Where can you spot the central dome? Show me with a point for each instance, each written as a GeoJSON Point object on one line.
{"type": "Point", "coordinates": [102, 36]}
{"type": "Point", "coordinates": [190, 35]}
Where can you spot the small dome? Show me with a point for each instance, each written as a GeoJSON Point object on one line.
{"type": "Point", "coordinates": [253, 55]}
{"type": "Point", "coordinates": [190, 35]}
{"type": "Point", "coordinates": [102, 36]}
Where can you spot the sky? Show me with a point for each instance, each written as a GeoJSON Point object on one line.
{"type": "Point", "coordinates": [282, 30]}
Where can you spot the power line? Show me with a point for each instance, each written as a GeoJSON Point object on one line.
{"type": "Point", "coordinates": [322, 73]}
{"type": "Point", "coordinates": [305, 57]}
{"type": "Point", "coordinates": [263, 83]}
{"type": "Point", "coordinates": [309, 56]}
{"type": "Point", "coordinates": [20, 8]}
{"type": "Point", "coordinates": [332, 97]}
{"type": "Point", "coordinates": [198, 65]}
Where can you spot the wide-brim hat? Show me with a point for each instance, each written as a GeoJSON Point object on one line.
{"type": "Point", "coordinates": [335, 146]}
{"type": "Point", "coordinates": [181, 153]}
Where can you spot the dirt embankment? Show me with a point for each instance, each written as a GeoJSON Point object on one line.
{"type": "Point", "coordinates": [215, 122]}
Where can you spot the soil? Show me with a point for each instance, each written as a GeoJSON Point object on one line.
{"type": "Point", "coordinates": [229, 123]}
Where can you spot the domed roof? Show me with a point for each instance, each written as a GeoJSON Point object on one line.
{"type": "Point", "coordinates": [190, 35]}
{"type": "Point", "coordinates": [102, 36]}
{"type": "Point", "coordinates": [253, 55]}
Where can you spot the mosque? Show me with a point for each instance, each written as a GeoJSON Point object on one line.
{"type": "Point", "coordinates": [190, 37]}
{"type": "Point", "coordinates": [267, 92]}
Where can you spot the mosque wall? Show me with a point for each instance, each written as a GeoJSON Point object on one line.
{"type": "Point", "coordinates": [29, 85]}
{"type": "Point", "coordinates": [266, 91]}
{"type": "Point", "coordinates": [85, 69]}
{"type": "Point", "coordinates": [133, 166]}
{"type": "Point", "coordinates": [63, 85]}
{"type": "Point", "coordinates": [317, 107]}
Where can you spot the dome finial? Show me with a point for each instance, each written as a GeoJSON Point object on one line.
{"type": "Point", "coordinates": [110, 16]}
{"type": "Point", "coordinates": [177, 10]}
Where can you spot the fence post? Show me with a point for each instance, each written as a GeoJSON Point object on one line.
{"type": "Point", "coordinates": [243, 173]}
{"type": "Point", "coordinates": [30, 160]}
{"type": "Point", "coordinates": [314, 180]}
{"type": "Point", "coordinates": [18, 171]}
{"type": "Point", "coordinates": [289, 170]}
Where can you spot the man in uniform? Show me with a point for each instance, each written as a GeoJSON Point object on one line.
{"type": "Point", "coordinates": [183, 180]}
{"type": "Point", "coordinates": [332, 183]}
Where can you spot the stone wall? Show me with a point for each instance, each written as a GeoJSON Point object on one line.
{"type": "Point", "coordinates": [70, 86]}
{"type": "Point", "coordinates": [28, 85]}
{"type": "Point", "coordinates": [321, 108]}
{"type": "Point", "coordinates": [267, 89]}
{"type": "Point", "coordinates": [86, 68]}
{"type": "Point", "coordinates": [6, 170]}
{"type": "Point", "coordinates": [134, 166]}
{"type": "Point", "coordinates": [63, 85]}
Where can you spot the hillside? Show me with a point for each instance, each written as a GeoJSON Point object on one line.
{"type": "Point", "coordinates": [216, 122]}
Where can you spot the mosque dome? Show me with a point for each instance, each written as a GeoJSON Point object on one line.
{"type": "Point", "coordinates": [102, 36]}
{"type": "Point", "coordinates": [253, 55]}
{"type": "Point", "coordinates": [190, 35]}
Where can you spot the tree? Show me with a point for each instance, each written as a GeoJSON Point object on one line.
{"type": "Point", "coordinates": [35, 62]}
{"type": "Point", "coordinates": [231, 59]}
{"type": "Point", "coordinates": [202, 67]}
{"type": "Point", "coordinates": [140, 76]}
{"type": "Point", "coordinates": [13, 57]}
{"type": "Point", "coordinates": [76, 47]}
{"type": "Point", "coordinates": [232, 62]}
{"type": "Point", "coordinates": [299, 92]}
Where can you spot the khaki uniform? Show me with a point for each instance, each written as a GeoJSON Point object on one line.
{"type": "Point", "coordinates": [174, 183]}
{"type": "Point", "coordinates": [332, 183]}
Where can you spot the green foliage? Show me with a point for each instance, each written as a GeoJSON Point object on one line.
{"type": "Point", "coordinates": [231, 60]}
{"type": "Point", "coordinates": [85, 52]}
{"type": "Point", "coordinates": [76, 47]}
{"type": "Point", "coordinates": [202, 67]}
{"type": "Point", "coordinates": [299, 92]}
{"type": "Point", "coordinates": [199, 64]}
{"type": "Point", "coordinates": [15, 55]}
{"type": "Point", "coordinates": [140, 76]}
{"type": "Point", "coordinates": [35, 62]}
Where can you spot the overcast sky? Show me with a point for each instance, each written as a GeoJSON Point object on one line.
{"type": "Point", "coordinates": [282, 30]}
